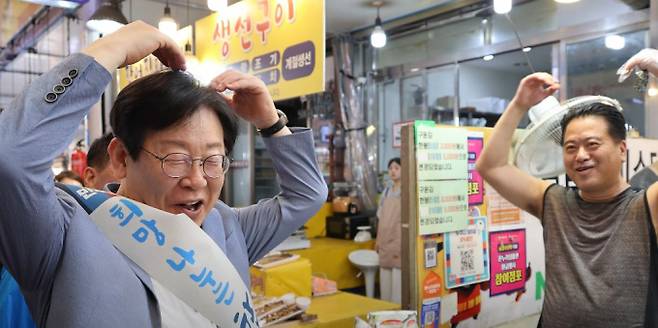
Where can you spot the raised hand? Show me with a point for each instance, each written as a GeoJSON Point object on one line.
{"type": "Point", "coordinates": [646, 59]}
{"type": "Point", "coordinates": [533, 89]}
{"type": "Point", "coordinates": [133, 42]}
{"type": "Point", "coordinates": [251, 99]}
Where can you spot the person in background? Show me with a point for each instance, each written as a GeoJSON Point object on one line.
{"type": "Point", "coordinates": [646, 59]}
{"type": "Point", "coordinates": [69, 177]}
{"type": "Point", "coordinates": [389, 236]}
{"type": "Point", "coordinates": [98, 172]}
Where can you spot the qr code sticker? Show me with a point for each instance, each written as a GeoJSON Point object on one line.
{"type": "Point", "coordinates": [467, 260]}
{"type": "Point", "coordinates": [430, 257]}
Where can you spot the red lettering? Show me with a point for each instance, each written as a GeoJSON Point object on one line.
{"type": "Point", "coordinates": [243, 24]}
{"type": "Point", "coordinates": [246, 43]}
{"type": "Point", "coordinates": [291, 11]}
{"type": "Point", "coordinates": [278, 14]}
{"type": "Point", "coordinates": [226, 28]}
{"type": "Point", "coordinates": [225, 49]}
{"type": "Point", "coordinates": [263, 28]}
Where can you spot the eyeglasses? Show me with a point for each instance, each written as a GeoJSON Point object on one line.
{"type": "Point", "coordinates": [177, 165]}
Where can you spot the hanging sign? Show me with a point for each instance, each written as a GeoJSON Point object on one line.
{"type": "Point", "coordinates": [280, 41]}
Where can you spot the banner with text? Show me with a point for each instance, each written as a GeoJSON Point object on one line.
{"type": "Point", "coordinates": [508, 261]}
{"type": "Point", "coordinates": [441, 166]}
{"type": "Point", "coordinates": [466, 254]}
{"type": "Point", "coordinates": [280, 41]}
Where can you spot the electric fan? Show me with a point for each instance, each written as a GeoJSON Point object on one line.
{"type": "Point", "coordinates": [540, 150]}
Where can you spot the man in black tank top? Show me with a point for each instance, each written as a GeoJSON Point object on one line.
{"type": "Point", "coordinates": [599, 238]}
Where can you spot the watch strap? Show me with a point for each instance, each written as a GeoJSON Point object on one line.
{"type": "Point", "coordinates": [276, 127]}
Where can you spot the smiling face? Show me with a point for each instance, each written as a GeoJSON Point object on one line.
{"type": "Point", "coordinates": [592, 158]}
{"type": "Point", "coordinates": [194, 194]}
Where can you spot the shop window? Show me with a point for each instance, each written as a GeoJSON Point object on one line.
{"type": "Point", "coordinates": [413, 98]}
{"type": "Point", "coordinates": [536, 17]}
{"type": "Point", "coordinates": [531, 18]}
{"type": "Point", "coordinates": [591, 68]}
{"type": "Point", "coordinates": [441, 94]}
{"type": "Point", "coordinates": [487, 87]}
{"type": "Point", "coordinates": [389, 116]}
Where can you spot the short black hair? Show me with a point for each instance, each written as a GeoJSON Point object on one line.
{"type": "Point", "coordinates": [394, 160]}
{"type": "Point", "coordinates": [67, 174]}
{"type": "Point", "coordinates": [161, 100]}
{"type": "Point", "coordinates": [98, 157]}
{"type": "Point", "coordinates": [613, 116]}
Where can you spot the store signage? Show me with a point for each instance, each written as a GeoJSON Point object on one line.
{"type": "Point", "coordinates": [441, 153]}
{"type": "Point", "coordinates": [475, 180]}
{"type": "Point", "coordinates": [282, 42]}
{"type": "Point", "coordinates": [397, 133]}
{"type": "Point", "coordinates": [466, 254]}
{"type": "Point", "coordinates": [499, 210]}
{"type": "Point", "coordinates": [508, 261]}
{"type": "Point", "coordinates": [442, 185]}
{"type": "Point", "coordinates": [442, 206]}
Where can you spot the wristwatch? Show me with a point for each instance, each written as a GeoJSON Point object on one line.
{"type": "Point", "coordinates": [276, 127]}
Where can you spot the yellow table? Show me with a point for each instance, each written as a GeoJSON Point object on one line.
{"type": "Point", "coordinates": [328, 256]}
{"type": "Point", "coordinates": [316, 225]}
{"type": "Point", "coordinates": [290, 277]}
{"type": "Point", "coordinates": [339, 310]}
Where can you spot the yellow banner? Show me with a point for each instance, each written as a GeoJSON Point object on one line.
{"type": "Point", "coordinates": [280, 41]}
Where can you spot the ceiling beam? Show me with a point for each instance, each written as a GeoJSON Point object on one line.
{"type": "Point", "coordinates": [30, 33]}
{"type": "Point", "coordinates": [183, 4]}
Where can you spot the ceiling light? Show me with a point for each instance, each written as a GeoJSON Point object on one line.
{"type": "Point", "coordinates": [652, 92]}
{"type": "Point", "coordinates": [502, 6]}
{"type": "Point", "coordinates": [566, 1]}
{"type": "Point", "coordinates": [107, 18]}
{"type": "Point", "coordinates": [167, 24]}
{"type": "Point", "coordinates": [414, 70]}
{"type": "Point", "coordinates": [488, 57]}
{"type": "Point", "coordinates": [485, 20]}
{"type": "Point", "coordinates": [526, 49]}
{"type": "Point", "coordinates": [217, 5]}
{"type": "Point", "coordinates": [615, 42]}
{"type": "Point", "coordinates": [370, 130]}
{"type": "Point", "coordinates": [378, 36]}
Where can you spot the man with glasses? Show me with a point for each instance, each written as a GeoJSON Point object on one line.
{"type": "Point", "coordinates": [171, 151]}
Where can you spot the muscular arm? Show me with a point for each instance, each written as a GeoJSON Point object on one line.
{"type": "Point", "coordinates": [520, 188]}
